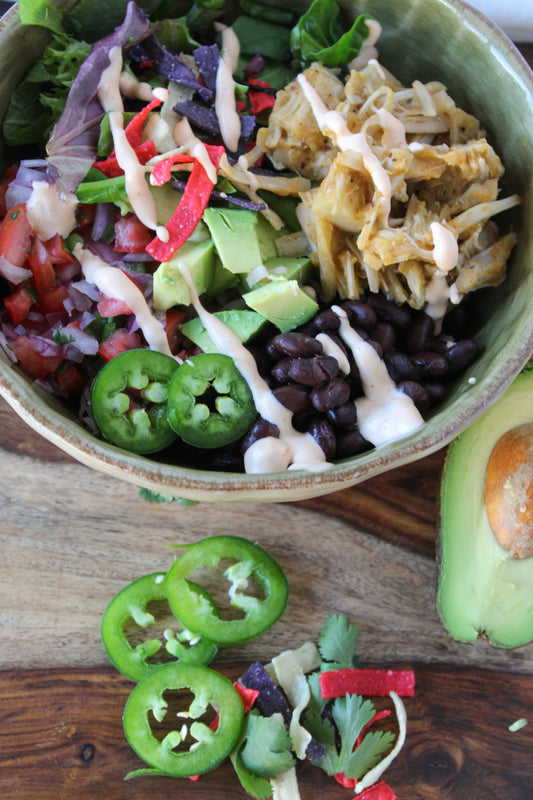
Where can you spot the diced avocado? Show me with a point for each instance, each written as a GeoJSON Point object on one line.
{"type": "Point", "coordinates": [170, 287]}
{"type": "Point", "coordinates": [484, 590]}
{"type": "Point", "coordinates": [243, 323]}
{"type": "Point", "coordinates": [283, 303]}
{"type": "Point", "coordinates": [267, 236]}
{"type": "Point", "coordinates": [292, 269]}
{"type": "Point", "coordinates": [235, 236]}
{"type": "Point", "coordinates": [222, 279]}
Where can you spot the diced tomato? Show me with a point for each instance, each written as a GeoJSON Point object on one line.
{"type": "Point", "coordinates": [55, 248]}
{"type": "Point", "coordinates": [15, 235]}
{"type": "Point", "coordinates": [85, 214]}
{"type": "Point", "coordinates": [40, 263]}
{"type": "Point", "coordinates": [131, 235]}
{"type": "Point", "coordinates": [118, 342]}
{"type": "Point", "coordinates": [379, 791]}
{"type": "Point", "coordinates": [51, 301]}
{"type": "Point", "coordinates": [175, 318]}
{"type": "Point", "coordinates": [71, 380]}
{"type": "Point", "coordinates": [33, 363]}
{"type": "Point", "coordinates": [18, 304]}
{"type": "Point", "coordinates": [111, 307]}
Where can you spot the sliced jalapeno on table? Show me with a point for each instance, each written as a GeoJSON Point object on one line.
{"type": "Point", "coordinates": [251, 563]}
{"type": "Point", "coordinates": [194, 747]}
{"type": "Point", "coordinates": [131, 604]}
{"type": "Point", "coordinates": [209, 402]}
{"type": "Point", "coordinates": [129, 400]}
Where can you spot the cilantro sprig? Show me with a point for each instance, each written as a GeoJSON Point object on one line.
{"type": "Point", "coordinates": [262, 752]}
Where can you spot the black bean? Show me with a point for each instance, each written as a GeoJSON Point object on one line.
{"type": "Point", "coordinates": [436, 391]}
{"type": "Point", "coordinates": [419, 333]}
{"type": "Point", "coordinates": [401, 368]}
{"type": "Point", "coordinates": [458, 322]}
{"type": "Point", "coordinates": [461, 355]}
{"type": "Point", "coordinates": [431, 364]}
{"type": "Point", "coordinates": [344, 417]}
{"type": "Point", "coordinates": [360, 314]}
{"type": "Point", "coordinates": [302, 419]}
{"type": "Point", "coordinates": [293, 396]}
{"type": "Point", "coordinates": [313, 371]}
{"type": "Point", "coordinates": [330, 395]}
{"type": "Point", "coordinates": [417, 393]}
{"type": "Point", "coordinates": [259, 430]}
{"type": "Point", "coordinates": [384, 334]}
{"type": "Point", "coordinates": [326, 320]}
{"type": "Point", "coordinates": [324, 436]}
{"type": "Point", "coordinates": [280, 371]}
{"type": "Point", "coordinates": [388, 311]}
{"type": "Point", "coordinates": [296, 345]}
{"type": "Point", "coordinates": [351, 443]}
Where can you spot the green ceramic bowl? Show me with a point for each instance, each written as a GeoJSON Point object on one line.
{"type": "Point", "coordinates": [444, 40]}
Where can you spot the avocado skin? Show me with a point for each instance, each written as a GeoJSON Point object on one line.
{"type": "Point", "coordinates": [483, 591]}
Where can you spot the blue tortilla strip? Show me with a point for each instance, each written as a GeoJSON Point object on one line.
{"type": "Point", "coordinates": [222, 197]}
{"type": "Point", "coordinates": [204, 118]}
{"type": "Point", "coordinates": [169, 65]}
{"type": "Point", "coordinates": [207, 58]}
{"type": "Point", "coordinates": [315, 750]}
{"type": "Point", "coordinates": [270, 699]}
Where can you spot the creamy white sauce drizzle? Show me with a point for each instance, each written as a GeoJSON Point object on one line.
{"type": "Point", "coordinates": [137, 189]}
{"type": "Point", "coordinates": [333, 125]}
{"type": "Point", "coordinates": [445, 247]}
{"type": "Point", "coordinates": [367, 52]}
{"type": "Point", "coordinates": [393, 129]}
{"type": "Point", "coordinates": [225, 107]}
{"type": "Point", "coordinates": [293, 450]}
{"type": "Point", "coordinates": [184, 137]}
{"type": "Point", "coordinates": [131, 87]}
{"type": "Point", "coordinates": [332, 349]}
{"type": "Point", "coordinates": [49, 213]}
{"type": "Point", "coordinates": [385, 413]}
{"type": "Point", "coordinates": [251, 178]}
{"type": "Point", "coordinates": [115, 284]}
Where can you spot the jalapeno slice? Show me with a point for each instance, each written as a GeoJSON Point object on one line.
{"type": "Point", "coordinates": [129, 400]}
{"type": "Point", "coordinates": [251, 563]}
{"type": "Point", "coordinates": [209, 402]}
{"type": "Point", "coordinates": [194, 747]}
{"type": "Point", "coordinates": [131, 604]}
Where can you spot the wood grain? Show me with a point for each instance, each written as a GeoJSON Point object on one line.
{"type": "Point", "coordinates": [458, 739]}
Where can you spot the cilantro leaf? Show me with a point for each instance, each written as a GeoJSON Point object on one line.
{"type": "Point", "coordinates": [350, 715]}
{"type": "Point", "coordinates": [337, 641]}
{"type": "Point", "coordinates": [267, 748]}
{"type": "Point", "coordinates": [368, 754]}
{"type": "Point", "coordinates": [155, 497]}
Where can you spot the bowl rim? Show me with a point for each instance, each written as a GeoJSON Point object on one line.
{"type": "Point", "coordinates": [37, 410]}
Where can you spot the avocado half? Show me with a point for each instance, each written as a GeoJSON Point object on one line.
{"type": "Point", "coordinates": [483, 590]}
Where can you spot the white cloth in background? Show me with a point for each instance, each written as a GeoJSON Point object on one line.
{"type": "Point", "coordinates": [515, 17]}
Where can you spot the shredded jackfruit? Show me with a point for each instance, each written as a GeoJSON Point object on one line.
{"type": "Point", "coordinates": [442, 171]}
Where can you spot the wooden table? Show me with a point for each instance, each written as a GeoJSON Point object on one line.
{"type": "Point", "coordinates": [70, 538]}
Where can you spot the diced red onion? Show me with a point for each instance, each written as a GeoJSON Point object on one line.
{"type": "Point", "coordinates": [12, 273]}
{"type": "Point", "coordinates": [86, 319]}
{"type": "Point", "coordinates": [85, 288]}
{"type": "Point", "coordinates": [102, 218]}
{"type": "Point", "coordinates": [82, 342]}
{"type": "Point", "coordinates": [43, 346]}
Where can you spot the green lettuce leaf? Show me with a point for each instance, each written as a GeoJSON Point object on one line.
{"type": "Point", "coordinates": [319, 36]}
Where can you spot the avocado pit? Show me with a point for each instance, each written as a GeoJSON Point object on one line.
{"type": "Point", "coordinates": [509, 490]}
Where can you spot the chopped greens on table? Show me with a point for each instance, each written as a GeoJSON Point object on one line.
{"type": "Point", "coordinates": [232, 238]}
{"type": "Point", "coordinates": [311, 703]}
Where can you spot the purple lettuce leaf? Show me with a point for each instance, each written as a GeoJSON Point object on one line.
{"type": "Point", "coordinates": [73, 142]}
